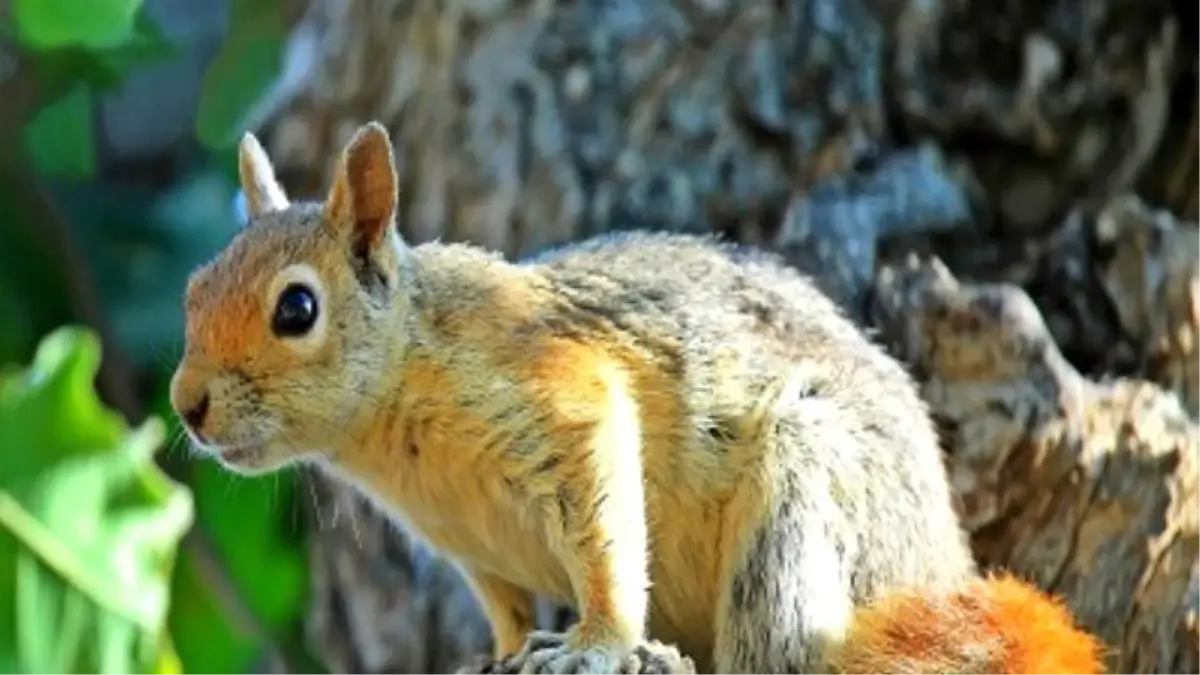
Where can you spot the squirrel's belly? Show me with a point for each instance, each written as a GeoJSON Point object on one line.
{"type": "Point", "coordinates": [686, 556]}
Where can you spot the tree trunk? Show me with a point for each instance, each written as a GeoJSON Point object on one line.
{"type": "Point", "coordinates": [887, 148]}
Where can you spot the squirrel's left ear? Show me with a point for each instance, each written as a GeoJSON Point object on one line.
{"type": "Point", "coordinates": [363, 198]}
{"type": "Point", "coordinates": [262, 192]}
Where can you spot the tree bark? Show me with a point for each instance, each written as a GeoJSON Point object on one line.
{"type": "Point", "coordinates": [887, 148]}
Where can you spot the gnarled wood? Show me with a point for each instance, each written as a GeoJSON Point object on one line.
{"type": "Point", "coordinates": [840, 132]}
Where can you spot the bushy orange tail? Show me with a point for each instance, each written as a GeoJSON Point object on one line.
{"type": "Point", "coordinates": [994, 625]}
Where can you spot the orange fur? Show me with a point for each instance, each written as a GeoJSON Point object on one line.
{"type": "Point", "coordinates": [995, 625]}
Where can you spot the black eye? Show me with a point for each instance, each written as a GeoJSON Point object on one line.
{"type": "Point", "coordinates": [295, 311]}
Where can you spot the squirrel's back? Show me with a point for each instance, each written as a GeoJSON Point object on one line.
{"type": "Point", "coordinates": [733, 318]}
{"type": "Point", "coordinates": [726, 319]}
{"type": "Point", "coordinates": [736, 322]}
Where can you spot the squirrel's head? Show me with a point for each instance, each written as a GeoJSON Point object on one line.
{"type": "Point", "coordinates": [291, 326]}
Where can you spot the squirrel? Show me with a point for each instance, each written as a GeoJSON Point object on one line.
{"type": "Point", "coordinates": [680, 437]}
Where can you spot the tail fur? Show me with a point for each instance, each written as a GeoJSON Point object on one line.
{"type": "Point", "coordinates": [997, 624]}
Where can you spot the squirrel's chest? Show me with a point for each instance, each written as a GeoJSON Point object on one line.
{"type": "Point", "coordinates": [438, 478]}
{"type": "Point", "coordinates": [472, 521]}
{"type": "Point", "coordinates": [495, 542]}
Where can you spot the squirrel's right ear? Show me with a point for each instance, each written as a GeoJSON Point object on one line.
{"type": "Point", "coordinates": [362, 201]}
{"type": "Point", "coordinates": [263, 193]}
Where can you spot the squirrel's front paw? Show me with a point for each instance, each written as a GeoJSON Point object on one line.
{"type": "Point", "coordinates": [563, 654]}
{"type": "Point", "coordinates": [555, 655]}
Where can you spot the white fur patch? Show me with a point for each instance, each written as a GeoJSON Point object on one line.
{"type": "Point", "coordinates": [827, 609]}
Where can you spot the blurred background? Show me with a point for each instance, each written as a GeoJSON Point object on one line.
{"type": "Point", "coordinates": [1048, 145]}
{"type": "Point", "coordinates": [118, 178]}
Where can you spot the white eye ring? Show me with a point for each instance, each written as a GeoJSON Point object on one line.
{"type": "Point", "coordinates": [305, 275]}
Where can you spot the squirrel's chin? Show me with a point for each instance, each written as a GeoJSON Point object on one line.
{"type": "Point", "coordinates": [246, 460]}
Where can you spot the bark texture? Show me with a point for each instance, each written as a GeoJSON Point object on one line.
{"type": "Point", "coordinates": [1005, 192]}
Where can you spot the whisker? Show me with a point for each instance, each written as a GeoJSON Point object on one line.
{"type": "Point", "coordinates": [312, 492]}
{"type": "Point", "coordinates": [354, 523]}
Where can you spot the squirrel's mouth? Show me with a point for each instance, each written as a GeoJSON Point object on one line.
{"type": "Point", "coordinates": [238, 455]}
{"type": "Point", "coordinates": [245, 458]}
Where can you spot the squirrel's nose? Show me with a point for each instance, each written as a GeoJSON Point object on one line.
{"type": "Point", "coordinates": [195, 413]}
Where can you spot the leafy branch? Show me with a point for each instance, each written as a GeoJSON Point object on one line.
{"type": "Point", "coordinates": [89, 524]}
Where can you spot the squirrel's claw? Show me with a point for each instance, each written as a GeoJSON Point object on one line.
{"type": "Point", "coordinates": [553, 652]}
{"type": "Point", "coordinates": [560, 653]}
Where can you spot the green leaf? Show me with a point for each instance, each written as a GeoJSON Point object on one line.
{"type": "Point", "coordinates": [88, 524]}
{"type": "Point", "coordinates": [207, 637]}
{"type": "Point", "coordinates": [60, 137]}
{"type": "Point", "coordinates": [244, 68]}
{"type": "Point", "coordinates": [237, 509]}
{"type": "Point", "coordinates": [16, 326]}
{"type": "Point", "coordinates": [45, 24]}
{"type": "Point", "coordinates": [147, 43]}
{"type": "Point", "coordinates": [104, 68]}
{"type": "Point", "coordinates": [247, 520]}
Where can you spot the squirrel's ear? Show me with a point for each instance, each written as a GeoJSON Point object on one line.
{"type": "Point", "coordinates": [262, 191]}
{"type": "Point", "coordinates": [363, 196]}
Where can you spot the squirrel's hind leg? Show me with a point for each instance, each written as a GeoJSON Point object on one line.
{"type": "Point", "coordinates": [787, 596]}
